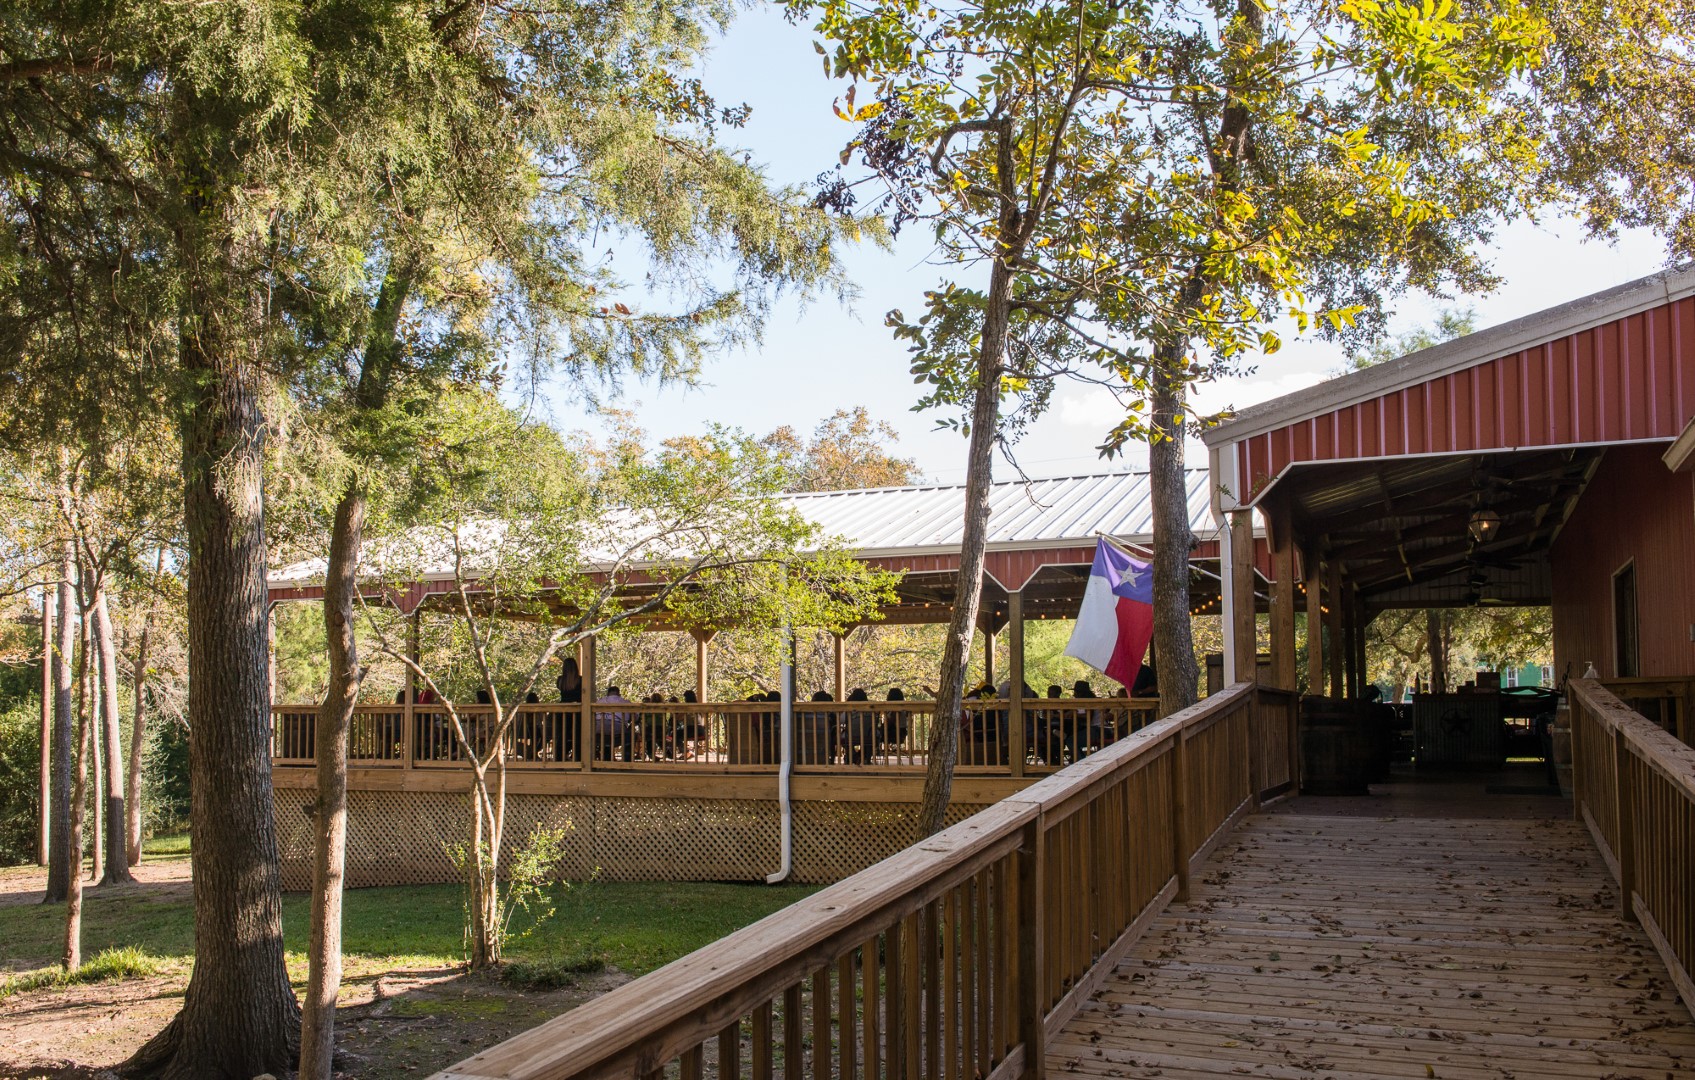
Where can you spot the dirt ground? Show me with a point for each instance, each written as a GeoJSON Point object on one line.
{"type": "Point", "coordinates": [392, 1024]}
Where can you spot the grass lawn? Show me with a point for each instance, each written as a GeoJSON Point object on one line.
{"type": "Point", "coordinates": [171, 845]}
{"type": "Point", "coordinates": [634, 927]}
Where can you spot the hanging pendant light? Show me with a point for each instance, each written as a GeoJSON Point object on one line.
{"type": "Point", "coordinates": [1483, 526]}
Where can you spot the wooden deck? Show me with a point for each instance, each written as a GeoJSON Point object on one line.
{"type": "Point", "coordinates": [1435, 931]}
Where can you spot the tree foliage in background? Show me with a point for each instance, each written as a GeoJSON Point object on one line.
{"type": "Point", "coordinates": [1149, 188]}
{"type": "Point", "coordinates": [848, 450]}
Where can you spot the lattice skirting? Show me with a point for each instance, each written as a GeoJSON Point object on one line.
{"type": "Point", "coordinates": [402, 837]}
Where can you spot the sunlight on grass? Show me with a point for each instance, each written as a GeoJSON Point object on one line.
{"type": "Point", "coordinates": [632, 926]}
{"type": "Point", "coordinates": [170, 846]}
{"type": "Point", "coordinates": [110, 965]}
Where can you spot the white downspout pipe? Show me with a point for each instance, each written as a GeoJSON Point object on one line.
{"type": "Point", "coordinates": [786, 740]}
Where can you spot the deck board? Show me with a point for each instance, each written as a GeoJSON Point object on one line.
{"type": "Point", "coordinates": [1358, 947]}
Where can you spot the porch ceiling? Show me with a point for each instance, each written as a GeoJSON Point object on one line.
{"type": "Point", "coordinates": [1397, 527]}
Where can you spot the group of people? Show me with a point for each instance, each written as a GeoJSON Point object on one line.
{"type": "Point", "coordinates": [1053, 734]}
{"type": "Point", "coordinates": [840, 734]}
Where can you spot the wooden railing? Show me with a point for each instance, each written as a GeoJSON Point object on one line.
{"type": "Point", "coordinates": [1669, 702]}
{"type": "Point", "coordinates": [1634, 785]}
{"type": "Point", "coordinates": [956, 958]}
{"type": "Point", "coordinates": [884, 736]}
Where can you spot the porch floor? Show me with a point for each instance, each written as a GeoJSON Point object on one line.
{"type": "Point", "coordinates": [1433, 930]}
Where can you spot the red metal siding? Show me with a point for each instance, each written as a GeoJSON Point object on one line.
{"type": "Point", "coordinates": [1629, 379]}
{"type": "Point", "coordinates": [1634, 509]}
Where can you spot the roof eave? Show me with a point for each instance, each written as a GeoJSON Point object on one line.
{"type": "Point", "coordinates": [1538, 328]}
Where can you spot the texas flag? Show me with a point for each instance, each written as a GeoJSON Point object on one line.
{"type": "Point", "coordinates": [1116, 621]}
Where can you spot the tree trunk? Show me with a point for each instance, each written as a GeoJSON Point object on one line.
{"type": "Point", "coordinates": [335, 718]}
{"type": "Point", "coordinates": [72, 958]}
{"type": "Point", "coordinates": [61, 859]}
{"type": "Point", "coordinates": [968, 584]}
{"type": "Point", "coordinates": [239, 1016]}
{"type": "Point", "coordinates": [1174, 641]}
{"type": "Point", "coordinates": [115, 868]}
{"type": "Point", "coordinates": [44, 792]}
{"type": "Point", "coordinates": [138, 730]}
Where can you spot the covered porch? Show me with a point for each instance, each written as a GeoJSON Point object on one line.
{"type": "Point", "coordinates": [636, 777]}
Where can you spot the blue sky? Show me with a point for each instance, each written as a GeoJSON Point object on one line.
{"type": "Point", "coordinates": [821, 356]}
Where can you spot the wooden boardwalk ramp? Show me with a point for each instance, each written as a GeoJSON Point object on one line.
{"type": "Point", "coordinates": [1440, 937]}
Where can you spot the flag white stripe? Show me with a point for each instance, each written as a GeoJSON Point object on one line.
{"type": "Point", "coordinates": [1096, 634]}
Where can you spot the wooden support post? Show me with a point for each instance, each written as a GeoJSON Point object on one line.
{"type": "Point", "coordinates": [1016, 749]}
{"type": "Point", "coordinates": [1242, 570]}
{"type": "Point", "coordinates": [1315, 624]}
{"type": "Point", "coordinates": [1283, 605]}
{"type": "Point", "coordinates": [409, 721]}
{"type": "Point", "coordinates": [839, 642]}
{"type": "Point", "coordinates": [1624, 815]}
{"type": "Point", "coordinates": [1179, 811]}
{"type": "Point", "coordinates": [46, 815]}
{"type": "Point", "coordinates": [1362, 622]}
{"type": "Point", "coordinates": [702, 662]}
{"type": "Point", "coordinates": [1574, 718]}
{"type": "Point", "coordinates": [585, 718]}
{"type": "Point", "coordinates": [1350, 630]}
{"type": "Point", "coordinates": [1333, 628]}
{"type": "Point", "coordinates": [1433, 645]}
{"type": "Point", "coordinates": [1032, 930]}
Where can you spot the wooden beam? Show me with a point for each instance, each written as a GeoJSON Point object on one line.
{"type": "Point", "coordinates": [838, 644]}
{"type": "Point", "coordinates": [1242, 585]}
{"type": "Point", "coordinates": [1433, 646]}
{"type": "Point", "coordinates": [1283, 602]}
{"type": "Point", "coordinates": [1350, 673]}
{"type": "Point", "coordinates": [1016, 749]}
{"type": "Point", "coordinates": [1333, 627]}
{"type": "Point", "coordinates": [1315, 623]}
{"type": "Point", "coordinates": [585, 717]}
{"type": "Point", "coordinates": [702, 663]}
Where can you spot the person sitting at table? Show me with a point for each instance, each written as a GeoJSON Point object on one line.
{"type": "Point", "coordinates": [1146, 684]}
{"type": "Point", "coordinates": [859, 730]}
{"type": "Point", "coordinates": [1085, 733]}
{"type": "Point", "coordinates": [982, 729]}
{"type": "Point", "coordinates": [612, 730]}
{"type": "Point", "coordinates": [691, 727]}
{"type": "Point", "coordinates": [570, 681]}
{"type": "Point", "coordinates": [815, 734]}
{"type": "Point", "coordinates": [1051, 724]}
{"type": "Point", "coordinates": [895, 726]}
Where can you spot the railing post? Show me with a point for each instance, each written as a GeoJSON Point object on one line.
{"type": "Point", "coordinates": [585, 714]}
{"type": "Point", "coordinates": [1032, 1011]}
{"type": "Point", "coordinates": [1179, 810]}
{"type": "Point", "coordinates": [1292, 706]}
{"type": "Point", "coordinates": [1574, 723]}
{"type": "Point", "coordinates": [1624, 824]}
{"type": "Point", "coordinates": [408, 735]}
{"type": "Point", "coordinates": [1017, 750]}
{"type": "Point", "coordinates": [1256, 749]}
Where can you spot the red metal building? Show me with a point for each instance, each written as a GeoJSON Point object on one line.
{"type": "Point", "coordinates": [1546, 461]}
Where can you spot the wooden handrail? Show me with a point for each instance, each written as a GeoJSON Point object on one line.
{"type": "Point", "coordinates": [955, 956]}
{"type": "Point", "coordinates": [1634, 786]}
{"type": "Point", "coordinates": [743, 737]}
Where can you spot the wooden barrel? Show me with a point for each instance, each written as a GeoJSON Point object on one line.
{"type": "Point", "coordinates": [1337, 748]}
